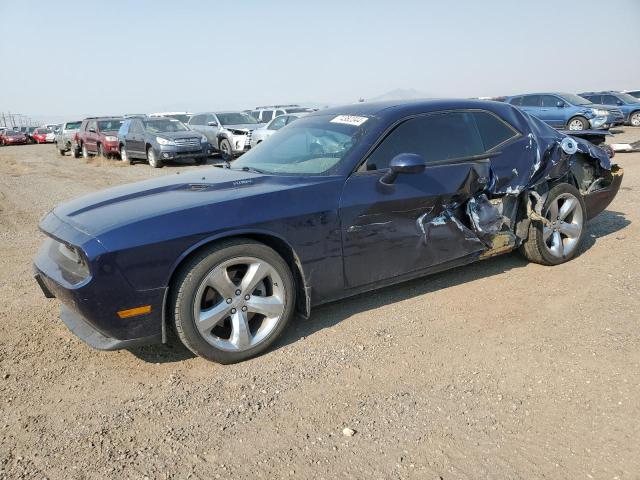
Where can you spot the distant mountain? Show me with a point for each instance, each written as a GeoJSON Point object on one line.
{"type": "Point", "coordinates": [399, 94]}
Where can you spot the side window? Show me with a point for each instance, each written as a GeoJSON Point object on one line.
{"type": "Point", "coordinates": [267, 115]}
{"type": "Point", "coordinates": [255, 114]}
{"type": "Point", "coordinates": [531, 101]}
{"type": "Point", "coordinates": [211, 118]}
{"type": "Point", "coordinates": [593, 98]}
{"type": "Point", "coordinates": [493, 130]}
{"type": "Point", "coordinates": [92, 125]}
{"type": "Point", "coordinates": [517, 101]}
{"type": "Point", "coordinates": [197, 120]}
{"type": "Point", "coordinates": [549, 101]}
{"type": "Point", "coordinates": [291, 118]}
{"type": "Point", "coordinates": [279, 112]}
{"type": "Point", "coordinates": [125, 127]}
{"type": "Point", "coordinates": [136, 127]}
{"type": "Point", "coordinates": [278, 123]}
{"type": "Point", "coordinates": [609, 100]}
{"type": "Point", "coordinates": [436, 137]}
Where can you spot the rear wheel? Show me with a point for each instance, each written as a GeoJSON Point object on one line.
{"type": "Point", "coordinates": [153, 159]}
{"type": "Point", "coordinates": [233, 300]}
{"type": "Point", "coordinates": [75, 153]}
{"type": "Point", "coordinates": [557, 240]}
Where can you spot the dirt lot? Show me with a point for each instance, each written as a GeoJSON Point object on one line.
{"type": "Point", "coordinates": [503, 369]}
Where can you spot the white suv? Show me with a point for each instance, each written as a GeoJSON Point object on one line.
{"type": "Point", "coordinates": [267, 113]}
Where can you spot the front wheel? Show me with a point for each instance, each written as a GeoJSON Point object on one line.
{"type": "Point", "coordinates": [153, 159]}
{"type": "Point", "coordinates": [634, 120]}
{"type": "Point", "coordinates": [232, 301]}
{"type": "Point", "coordinates": [62, 151]}
{"type": "Point", "coordinates": [124, 156]}
{"type": "Point", "coordinates": [85, 152]}
{"type": "Point", "coordinates": [225, 148]}
{"type": "Point", "coordinates": [578, 123]}
{"type": "Point", "coordinates": [558, 239]}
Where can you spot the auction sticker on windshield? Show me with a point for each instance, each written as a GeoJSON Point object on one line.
{"type": "Point", "coordinates": [350, 120]}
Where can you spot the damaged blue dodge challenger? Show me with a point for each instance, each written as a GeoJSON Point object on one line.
{"type": "Point", "coordinates": [340, 202]}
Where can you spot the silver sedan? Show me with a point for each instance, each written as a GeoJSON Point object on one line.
{"type": "Point", "coordinates": [261, 134]}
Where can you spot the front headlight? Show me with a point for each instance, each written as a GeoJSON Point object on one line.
{"type": "Point", "coordinates": [111, 138]}
{"type": "Point", "coordinates": [164, 141]}
{"type": "Point", "coordinates": [599, 113]}
{"type": "Point", "coordinates": [204, 139]}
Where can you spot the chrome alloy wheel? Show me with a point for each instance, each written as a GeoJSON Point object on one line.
{"type": "Point", "coordinates": [239, 303]}
{"type": "Point", "coordinates": [562, 235]}
{"type": "Point", "coordinates": [575, 124]}
{"type": "Point", "coordinates": [635, 119]}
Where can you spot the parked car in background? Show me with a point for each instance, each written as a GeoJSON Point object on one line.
{"type": "Point", "coordinates": [261, 134]}
{"type": "Point", "coordinates": [159, 139]}
{"type": "Point", "coordinates": [566, 110]}
{"type": "Point", "coordinates": [43, 135]}
{"type": "Point", "coordinates": [182, 116]}
{"type": "Point", "coordinates": [12, 137]}
{"type": "Point", "coordinates": [634, 93]}
{"type": "Point", "coordinates": [228, 132]}
{"type": "Point", "coordinates": [99, 136]}
{"type": "Point", "coordinates": [66, 138]}
{"type": "Point", "coordinates": [628, 104]}
{"type": "Point", "coordinates": [341, 202]}
{"type": "Point", "coordinates": [267, 113]}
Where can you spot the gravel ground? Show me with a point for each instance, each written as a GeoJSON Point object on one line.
{"type": "Point", "coordinates": [502, 369]}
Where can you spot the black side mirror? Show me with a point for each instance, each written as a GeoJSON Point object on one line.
{"type": "Point", "coordinates": [403, 163]}
{"type": "Point", "coordinates": [620, 102]}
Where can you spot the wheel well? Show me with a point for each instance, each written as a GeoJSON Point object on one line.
{"type": "Point", "coordinates": [280, 246]}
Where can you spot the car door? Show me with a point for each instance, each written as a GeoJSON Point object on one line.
{"type": "Point", "coordinates": [415, 223]}
{"type": "Point", "coordinates": [531, 105]}
{"type": "Point", "coordinates": [92, 136]}
{"type": "Point", "coordinates": [135, 139]}
{"type": "Point", "coordinates": [550, 112]}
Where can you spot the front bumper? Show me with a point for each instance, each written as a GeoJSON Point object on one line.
{"type": "Point", "coordinates": [175, 152]}
{"type": "Point", "coordinates": [111, 148]}
{"type": "Point", "coordinates": [91, 303]}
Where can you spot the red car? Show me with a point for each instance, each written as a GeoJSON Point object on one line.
{"type": "Point", "coordinates": [43, 135]}
{"type": "Point", "coordinates": [99, 136]}
{"type": "Point", "coordinates": [10, 137]}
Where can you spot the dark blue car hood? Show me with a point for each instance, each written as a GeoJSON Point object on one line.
{"type": "Point", "coordinates": [106, 210]}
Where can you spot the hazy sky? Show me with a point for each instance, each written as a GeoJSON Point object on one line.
{"type": "Point", "coordinates": [84, 57]}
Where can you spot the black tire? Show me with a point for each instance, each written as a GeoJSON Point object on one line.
{"type": "Point", "coordinates": [75, 151]}
{"type": "Point", "coordinates": [582, 120]}
{"type": "Point", "coordinates": [62, 152]}
{"type": "Point", "coordinates": [534, 248]}
{"type": "Point", "coordinates": [153, 159]}
{"type": "Point", "coordinates": [100, 150]}
{"type": "Point", "coordinates": [634, 119]}
{"type": "Point", "coordinates": [183, 290]}
{"type": "Point", "coordinates": [85, 151]}
{"type": "Point", "coordinates": [225, 148]}
{"type": "Point", "coordinates": [124, 157]}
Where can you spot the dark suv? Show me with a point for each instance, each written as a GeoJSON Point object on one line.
{"type": "Point", "coordinates": [628, 104]}
{"type": "Point", "coordinates": [99, 136]}
{"type": "Point", "coordinates": [156, 139]}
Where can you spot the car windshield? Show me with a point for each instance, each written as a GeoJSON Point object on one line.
{"type": "Point", "coordinates": [164, 125]}
{"type": "Point", "coordinates": [73, 125]}
{"type": "Point", "coordinates": [109, 125]}
{"type": "Point", "coordinates": [13, 133]}
{"type": "Point", "coordinates": [235, 118]}
{"type": "Point", "coordinates": [309, 146]}
{"type": "Point", "coordinates": [626, 98]}
{"type": "Point", "coordinates": [574, 99]}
